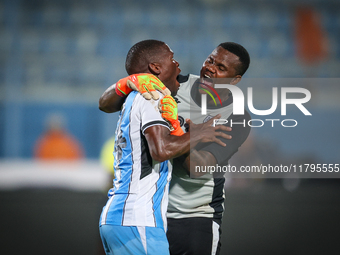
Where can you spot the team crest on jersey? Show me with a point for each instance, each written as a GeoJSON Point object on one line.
{"type": "Point", "coordinates": [206, 119]}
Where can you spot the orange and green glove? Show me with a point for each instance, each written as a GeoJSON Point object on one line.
{"type": "Point", "coordinates": [144, 83]}
{"type": "Point", "coordinates": [168, 108]}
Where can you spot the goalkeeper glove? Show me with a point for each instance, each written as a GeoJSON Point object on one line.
{"type": "Point", "coordinates": [144, 83]}
{"type": "Point", "coordinates": [168, 108]}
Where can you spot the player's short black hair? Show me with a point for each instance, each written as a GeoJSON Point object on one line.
{"type": "Point", "coordinates": [141, 54]}
{"type": "Point", "coordinates": [239, 51]}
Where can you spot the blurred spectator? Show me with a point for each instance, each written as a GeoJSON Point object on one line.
{"type": "Point", "coordinates": [107, 159]}
{"type": "Point", "coordinates": [57, 143]}
{"type": "Point", "coordinates": [310, 36]}
{"type": "Point", "coordinates": [106, 155]}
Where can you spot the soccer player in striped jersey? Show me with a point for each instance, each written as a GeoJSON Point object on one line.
{"type": "Point", "coordinates": [133, 221]}
{"type": "Point", "coordinates": [196, 205]}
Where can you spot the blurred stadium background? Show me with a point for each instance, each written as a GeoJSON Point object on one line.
{"type": "Point", "coordinates": [59, 57]}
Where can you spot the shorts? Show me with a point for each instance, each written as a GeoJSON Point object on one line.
{"type": "Point", "coordinates": [194, 236]}
{"type": "Point", "coordinates": [118, 240]}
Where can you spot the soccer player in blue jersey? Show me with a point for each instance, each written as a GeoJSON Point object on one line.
{"type": "Point", "coordinates": [133, 221]}
{"type": "Point", "coordinates": [196, 205]}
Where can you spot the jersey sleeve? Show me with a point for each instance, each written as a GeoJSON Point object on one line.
{"type": "Point", "coordinates": [150, 115]}
{"type": "Point", "coordinates": [239, 133]}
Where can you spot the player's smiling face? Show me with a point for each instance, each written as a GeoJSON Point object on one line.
{"type": "Point", "coordinates": [170, 70]}
{"type": "Point", "coordinates": [219, 64]}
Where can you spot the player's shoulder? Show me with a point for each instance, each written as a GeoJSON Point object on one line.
{"type": "Point", "coordinates": [139, 102]}
{"type": "Point", "coordinates": [138, 96]}
{"type": "Point", "coordinates": [245, 116]}
{"type": "Point", "coordinates": [241, 118]}
{"type": "Point", "coordinates": [185, 81]}
{"type": "Point", "coordinates": [185, 78]}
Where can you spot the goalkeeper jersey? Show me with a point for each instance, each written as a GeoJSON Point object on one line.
{"type": "Point", "coordinates": [204, 196]}
{"type": "Point", "coordinates": [139, 196]}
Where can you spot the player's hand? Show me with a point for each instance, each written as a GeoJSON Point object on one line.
{"type": "Point", "coordinates": [168, 108]}
{"type": "Point", "coordinates": [122, 88]}
{"type": "Point", "coordinates": [144, 83]}
{"type": "Point", "coordinates": [205, 132]}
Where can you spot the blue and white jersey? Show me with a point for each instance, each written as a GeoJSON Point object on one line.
{"type": "Point", "coordinates": [139, 196]}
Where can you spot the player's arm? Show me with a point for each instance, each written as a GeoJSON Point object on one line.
{"type": "Point", "coordinates": [164, 146]}
{"type": "Point", "coordinates": [110, 102]}
{"type": "Point", "coordinates": [168, 109]}
{"type": "Point", "coordinates": [114, 97]}
{"type": "Point", "coordinates": [198, 158]}
{"type": "Point", "coordinates": [212, 153]}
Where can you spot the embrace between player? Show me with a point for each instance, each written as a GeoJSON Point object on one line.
{"type": "Point", "coordinates": [195, 205]}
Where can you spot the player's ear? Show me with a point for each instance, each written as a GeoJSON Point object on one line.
{"type": "Point", "coordinates": [236, 80]}
{"type": "Point", "coordinates": [155, 68]}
